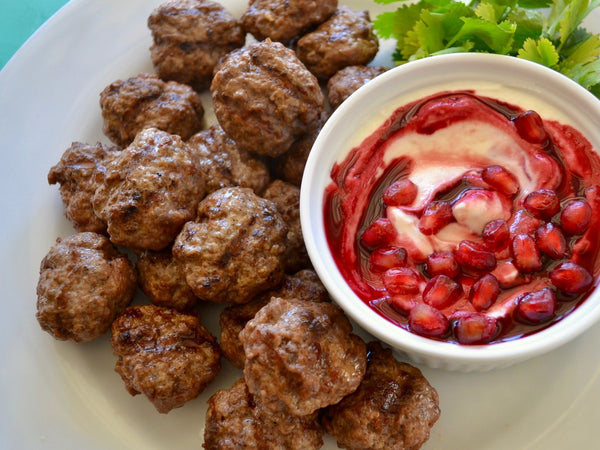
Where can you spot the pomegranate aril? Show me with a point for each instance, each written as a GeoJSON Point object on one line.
{"type": "Point", "coordinates": [400, 193]}
{"type": "Point", "coordinates": [526, 255]}
{"type": "Point", "coordinates": [475, 328]}
{"type": "Point", "coordinates": [524, 223]}
{"type": "Point", "coordinates": [571, 278]}
{"type": "Point", "coordinates": [471, 257]}
{"type": "Point", "coordinates": [530, 127]}
{"type": "Point", "coordinates": [379, 233]}
{"type": "Point", "coordinates": [496, 234]}
{"type": "Point", "coordinates": [402, 304]}
{"type": "Point", "coordinates": [543, 203]}
{"type": "Point", "coordinates": [441, 291]}
{"type": "Point", "coordinates": [484, 292]}
{"type": "Point", "coordinates": [401, 280]}
{"type": "Point", "coordinates": [508, 275]}
{"type": "Point", "coordinates": [551, 241]}
{"type": "Point", "coordinates": [385, 258]}
{"type": "Point", "coordinates": [473, 178]}
{"type": "Point", "coordinates": [501, 180]}
{"type": "Point", "coordinates": [427, 321]}
{"type": "Point", "coordinates": [442, 263]}
{"type": "Point", "coordinates": [436, 216]}
{"type": "Point", "coordinates": [536, 307]}
{"type": "Point", "coordinates": [575, 217]}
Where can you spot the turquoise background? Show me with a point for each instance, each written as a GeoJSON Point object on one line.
{"type": "Point", "coordinates": [19, 19]}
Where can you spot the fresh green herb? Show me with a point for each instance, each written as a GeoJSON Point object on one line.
{"type": "Point", "coordinates": [545, 31]}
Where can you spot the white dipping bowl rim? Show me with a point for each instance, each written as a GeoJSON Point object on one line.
{"type": "Point", "coordinates": [582, 106]}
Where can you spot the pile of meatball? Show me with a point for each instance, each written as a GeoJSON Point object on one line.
{"type": "Point", "coordinates": [190, 214]}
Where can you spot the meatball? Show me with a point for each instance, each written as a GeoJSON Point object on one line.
{"type": "Point", "coordinates": [84, 284]}
{"type": "Point", "coordinates": [264, 98]}
{"type": "Point", "coordinates": [301, 356]}
{"type": "Point", "coordinates": [146, 101]}
{"type": "Point", "coordinates": [190, 36]}
{"type": "Point", "coordinates": [349, 79]}
{"type": "Point", "coordinates": [304, 285]}
{"type": "Point", "coordinates": [225, 164]}
{"type": "Point", "coordinates": [283, 20]}
{"type": "Point", "coordinates": [286, 197]}
{"type": "Point", "coordinates": [79, 172]}
{"type": "Point", "coordinates": [234, 248]}
{"type": "Point", "coordinates": [167, 355]}
{"type": "Point", "coordinates": [345, 39]}
{"type": "Point", "coordinates": [150, 190]}
{"type": "Point", "coordinates": [394, 407]}
{"type": "Point", "coordinates": [162, 280]}
{"type": "Point", "coordinates": [235, 421]}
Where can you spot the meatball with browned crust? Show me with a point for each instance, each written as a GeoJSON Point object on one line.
{"type": "Point", "coordinates": [283, 20]}
{"type": "Point", "coordinates": [79, 172]}
{"type": "Point", "coordinates": [84, 284]}
{"type": "Point", "coordinates": [234, 420]}
{"type": "Point", "coordinates": [345, 82]}
{"type": "Point", "coordinates": [190, 36]}
{"type": "Point", "coordinates": [265, 99]}
{"type": "Point", "coordinates": [394, 407]}
{"type": "Point", "coordinates": [150, 190]}
{"type": "Point", "coordinates": [345, 39]}
{"type": "Point", "coordinates": [301, 356]}
{"type": "Point", "coordinates": [225, 164]}
{"type": "Point", "coordinates": [234, 249]}
{"type": "Point", "coordinates": [167, 355]}
{"type": "Point", "coordinates": [129, 106]}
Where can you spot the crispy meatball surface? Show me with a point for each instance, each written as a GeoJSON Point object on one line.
{"type": "Point", "coordinates": [234, 249]}
{"type": "Point", "coordinates": [283, 20]}
{"type": "Point", "coordinates": [345, 39]}
{"type": "Point", "coordinates": [79, 172]}
{"type": "Point", "coordinates": [129, 106]}
{"type": "Point", "coordinates": [168, 356]}
{"type": "Point", "coordinates": [84, 284]}
{"type": "Point", "coordinates": [235, 421]}
{"type": "Point", "coordinates": [190, 36]}
{"type": "Point", "coordinates": [394, 407]}
{"type": "Point", "coordinates": [341, 85]}
{"type": "Point", "coordinates": [150, 190]}
{"type": "Point", "coordinates": [264, 98]}
{"type": "Point", "coordinates": [225, 164]}
{"type": "Point", "coordinates": [301, 356]}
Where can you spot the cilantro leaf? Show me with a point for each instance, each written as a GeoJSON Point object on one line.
{"type": "Point", "coordinates": [541, 51]}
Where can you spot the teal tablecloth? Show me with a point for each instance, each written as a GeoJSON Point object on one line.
{"type": "Point", "coordinates": [19, 19]}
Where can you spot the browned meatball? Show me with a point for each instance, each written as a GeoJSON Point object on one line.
{"type": "Point", "coordinates": [167, 355]}
{"type": "Point", "coordinates": [84, 284]}
{"type": "Point", "coordinates": [301, 356]}
{"type": "Point", "coordinates": [264, 98]}
{"type": "Point", "coordinates": [286, 197]}
{"type": "Point", "coordinates": [225, 164]}
{"type": "Point", "coordinates": [150, 190]}
{"type": "Point", "coordinates": [345, 39]}
{"type": "Point", "coordinates": [146, 101]}
{"type": "Point", "coordinates": [234, 248]}
{"type": "Point", "coordinates": [190, 36]}
{"type": "Point", "coordinates": [235, 421]}
{"type": "Point", "coordinates": [79, 172]}
{"type": "Point", "coordinates": [162, 280]}
{"type": "Point", "coordinates": [304, 285]}
{"type": "Point", "coordinates": [283, 20]}
{"type": "Point", "coordinates": [394, 407]}
{"type": "Point", "coordinates": [349, 79]}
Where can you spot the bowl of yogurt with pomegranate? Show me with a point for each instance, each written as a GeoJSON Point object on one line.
{"type": "Point", "coordinates": [451, 206]}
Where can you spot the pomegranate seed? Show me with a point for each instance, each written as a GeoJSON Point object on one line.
{"type": "Point", "coordinates": [436, 216]}
{"type": "Point", "coordinates": [442, 263]}
{"type": "Point", "coordinates": [571, 278]}
{"type": "Point", "coordinates": [427, 321]}
{"type": "Point", "coordinates": [575, 217]}
{"type": "Point", "coordinates": [484, 292]}
{"type": "Point", "coordinates": [496, 234]}
{"type": "Point", "coordinates": [537, 307]}
{"type": "Point", "coordinates": [402, 304]}
{"type": "Point", "coordinates": [530, 127]}
{"type": "Point", "coordinates": [472, 178]}
{"type": "Point", "coordinates": [543, 203]}
{"type": "Point", "coordinates": [379, 233]}
{"type": "Point", "coordinates": [501, 180]}
{"type": "Point", "coordinates": [387, 257]}
{"type": "Point", "coordinates": [400, 193]}
{"type": "Point", "coordinates": [470, 256]}
{"type": "Point", "coordinates": [475, 328]}
{"type": "Point", "coordinates": [524, 223]}
{"type": "Point", "coordinates": [401, 280]}
{"type": "Point", "coordinates": [441, 291]}
{"type": "Point", "coordinates": [509, 276]}
{"type": "Point", "coordinates": [526, 255]}
{"type": "Point", "coordinates": [551, 241]}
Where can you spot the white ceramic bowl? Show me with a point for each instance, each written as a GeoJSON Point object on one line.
{"type": "Point", "coordinates": [528, 85]}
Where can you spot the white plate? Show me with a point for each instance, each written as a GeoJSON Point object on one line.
{"type": "Point", "coordinates": [57, 395]}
